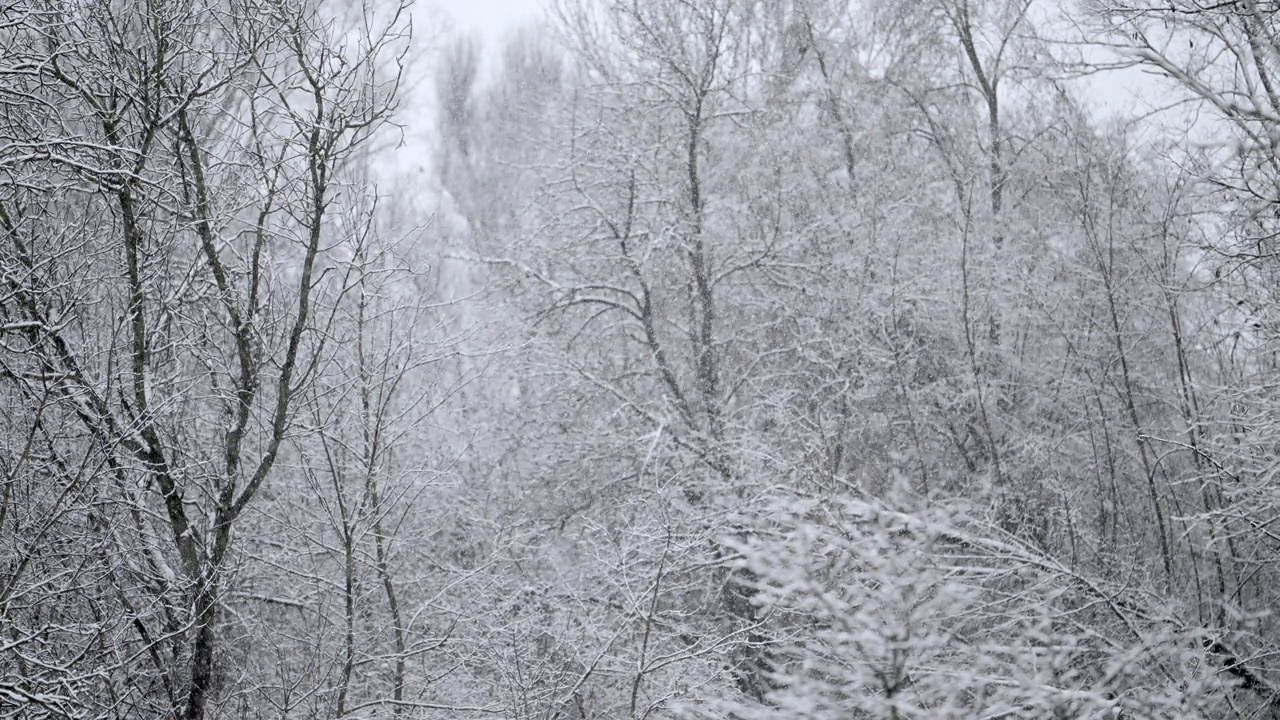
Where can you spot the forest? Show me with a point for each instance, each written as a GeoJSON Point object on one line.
{"type": "Point", "coordinates": [670, 359]}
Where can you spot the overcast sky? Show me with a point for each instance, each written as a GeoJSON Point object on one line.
{"type": "Point", "coordinates": [434, 21]}
{"type": "Point", "coordinates": [489, 18]}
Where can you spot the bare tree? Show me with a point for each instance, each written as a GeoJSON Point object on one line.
{"type": "Point", "coordinates": [183, 316]}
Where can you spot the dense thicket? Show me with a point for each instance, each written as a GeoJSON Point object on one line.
{"type": "Point", "coordinates": [745, 358]}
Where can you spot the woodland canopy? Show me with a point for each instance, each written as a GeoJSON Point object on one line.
{"type": "Point", "coordinates": [742, 359]}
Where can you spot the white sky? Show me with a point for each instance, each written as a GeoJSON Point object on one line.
{"type": "Point", "coordinates": [436, 21]}
{"type": "Point", "coordinates": [489, 19]}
